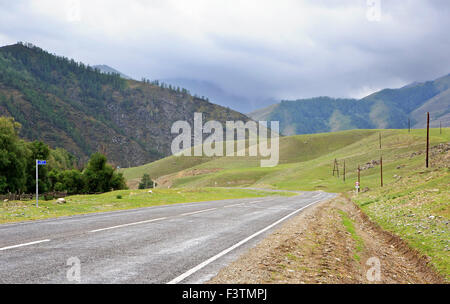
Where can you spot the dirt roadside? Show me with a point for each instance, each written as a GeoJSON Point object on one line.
{"type": "Point", "coordinates": [330, 242]}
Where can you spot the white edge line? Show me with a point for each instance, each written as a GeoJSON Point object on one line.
{"type": "Point", "coordinates": [24, 244]}
{"type": "Point", "coordinates": [130, 224]}
{"type": "Point", "coordinates": [220, 254]}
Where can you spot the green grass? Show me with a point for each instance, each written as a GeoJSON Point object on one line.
{"type": "Point", "coordinates": [416, 208]}
{"type": "Point", "coordinates": [350, 227]}
{"type": "Point", "coordinates": [118, 200]}
{"type": "Point", "coordinates": [306, 162]}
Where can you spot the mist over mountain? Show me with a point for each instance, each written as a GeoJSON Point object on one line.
{"type": "Point", "coordinates": [218, 95]}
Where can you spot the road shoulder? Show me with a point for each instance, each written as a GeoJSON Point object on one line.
{"type": "Point", "coordinates": [330, 242]}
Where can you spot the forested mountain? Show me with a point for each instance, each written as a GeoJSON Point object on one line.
{"type": "Point", "coordinates": [74, 106]}
{"type": "Point", "coordinates": [389, 108]}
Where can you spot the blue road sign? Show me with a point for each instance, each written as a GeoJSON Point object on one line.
{"type": "Point", "coordinates": [42, 162]}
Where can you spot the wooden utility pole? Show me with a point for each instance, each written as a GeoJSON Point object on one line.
{"type": "Point", "coordinates": [381, 170]}
{"type": "Point", "coordinates": [344, 170]}
{"type": "Point", "coordinates": [336, 167]}
{"type": "Point", "coordinates": [428, 137]}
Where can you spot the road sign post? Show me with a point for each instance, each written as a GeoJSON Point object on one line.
{"type": "Point", "coordinates": [38, 163]}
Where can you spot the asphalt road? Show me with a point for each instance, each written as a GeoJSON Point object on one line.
{"type": "Point", "coordinates": [181, 243]}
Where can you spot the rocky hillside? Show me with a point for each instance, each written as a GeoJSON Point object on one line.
{"type": "Point", "coordinates": [386, 109]}
{"type": "Point", "coordinates": [74, 106]}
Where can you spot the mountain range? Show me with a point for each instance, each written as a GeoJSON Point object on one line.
{"type": "Point", "coordinates": [83, 110]}
{"type": "Point", "coordinates": [86, 109]}
{"type": "Point", "coordinates": [386, 109]}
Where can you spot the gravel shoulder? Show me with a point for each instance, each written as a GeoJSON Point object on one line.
{"type": "Point", "coordinates": [330, 242]}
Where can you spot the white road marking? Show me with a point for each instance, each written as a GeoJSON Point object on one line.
{"type": "Point", "coordinates": [232, 205]}
{"type": "Point", "coordinates": [149, 221]}
{"type": "Point", "coordinates": [222, 253]}
{"type": "Point", "coordinates": [24, 244]}
{"type": "Point", "coordinates": [195, 212]}
{"type": "Point", "coordinates": [255, 202]}
{"type": "Point", "coordinates": [130, 224]}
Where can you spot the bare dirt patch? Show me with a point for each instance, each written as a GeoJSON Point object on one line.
{"type": "Point", "coordinates": [317, 247]}
{"type": "Point", "coordinates": [167, 180]}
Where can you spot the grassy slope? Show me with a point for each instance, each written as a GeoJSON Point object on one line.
{"type": "Point", "coordinates": [416, 207]}
{"type": "Point", "coordinates": [306, 163]}
{"type": "Point", "coordinates": [82, 204]}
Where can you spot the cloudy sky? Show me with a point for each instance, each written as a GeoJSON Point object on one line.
{"type": "Point", "coordinates": [254, 49]}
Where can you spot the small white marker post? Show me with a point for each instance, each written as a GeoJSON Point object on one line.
{"type": "Point", "coordinates": [356, 187]}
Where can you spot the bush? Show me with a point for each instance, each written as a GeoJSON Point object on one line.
{"type": "Point", "coordinates": [146, 182]}
{"type": "Point", "coordinates": [119, 196]}
{"type": "Point", "coordinates": [101, 177]}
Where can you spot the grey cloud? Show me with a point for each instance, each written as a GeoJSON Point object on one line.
{"type": "Point", "coordinates": [305, 49]}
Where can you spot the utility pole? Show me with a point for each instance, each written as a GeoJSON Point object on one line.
{"type": "Point", "coordinates": [380, 140]}
{"type": "Point", "coordinates": [381, 170]}
{"type": "Point", "coordinates": [336, 167]}
{"type": "Point", "coordinates": [409, 125]}
{"type": "Point", "coordinates": [344, 170]}
{"type": "Point", "coordinates": [428, 137]}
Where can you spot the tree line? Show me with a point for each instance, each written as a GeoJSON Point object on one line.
{"type": "Point", "coordinates": [18, 165]}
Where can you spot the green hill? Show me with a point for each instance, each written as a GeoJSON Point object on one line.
{"type": "Point", "coordinates": [306, 162]}
{"type": "Point", "coordinates": [386, 109]}
{"type": "Point", "coordinates": [70, 105]}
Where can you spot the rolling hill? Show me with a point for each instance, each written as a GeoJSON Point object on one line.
{"type": "Point", "coordinates": [70, 105]}
{"type": "Point", "coordinates": [386, 109]}
{"type": "Point", "coordinates": [306, 162]}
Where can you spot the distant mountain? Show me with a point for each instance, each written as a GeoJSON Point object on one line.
{"type": "Point", "coordinates": [74, 106]}
{"type": "Point", "coordinates": [386, 109]}
{"type": "Point", "coordinates": [109, 70]}
{"type": "Point", "coordinates": [218, 95]}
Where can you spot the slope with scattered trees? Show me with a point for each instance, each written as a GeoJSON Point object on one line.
{"type": "Point", "coordinates": [74, 106]}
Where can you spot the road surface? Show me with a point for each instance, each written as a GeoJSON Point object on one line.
{"type": "Point", "coordinates": [180, 243]}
